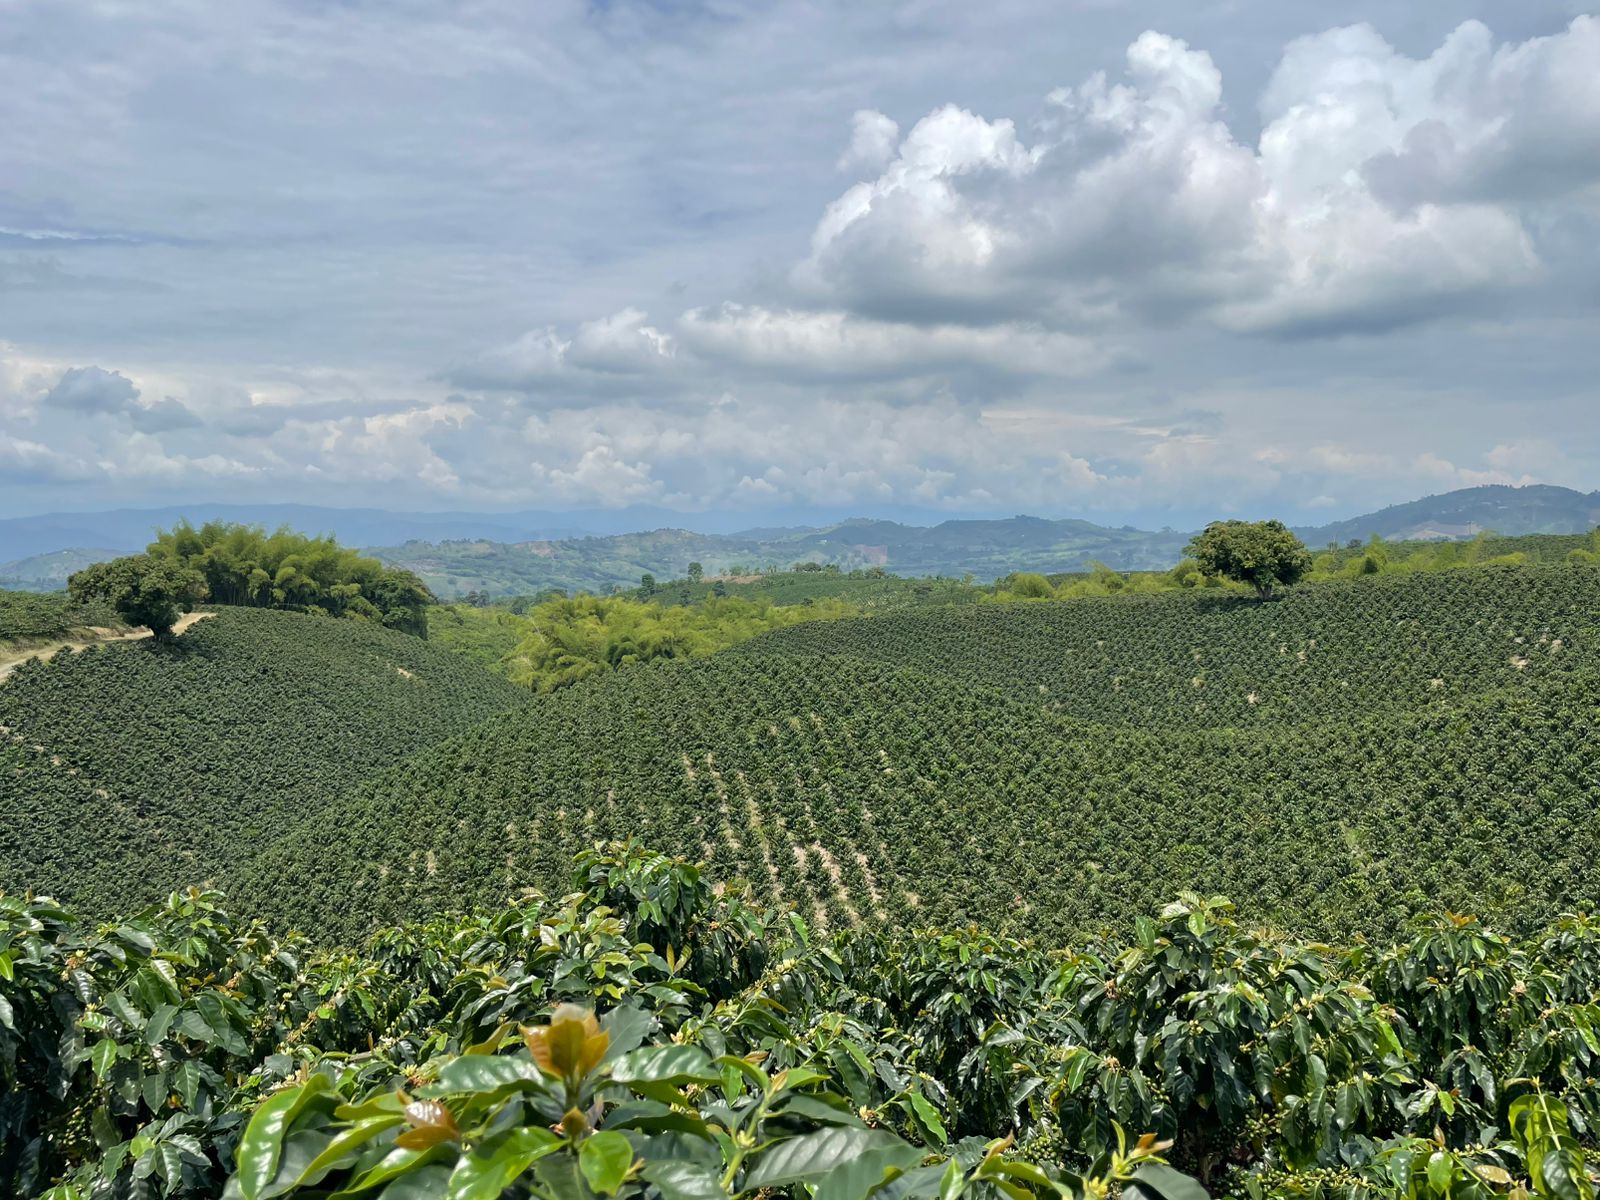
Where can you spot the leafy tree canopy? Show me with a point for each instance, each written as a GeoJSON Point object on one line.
{"type": "Point", "coordinates": [1262, 554]}
{"type": "Point", "coordinates": [143, 588]}
{"type": "Point", "coordinates": [244, 564]}
{"type": "Point", "coordinates": [569, 640]}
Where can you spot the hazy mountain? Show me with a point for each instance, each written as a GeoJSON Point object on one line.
{"type": "Point", "coordinates": [1536, 508]}
{"type": "Point", "coordinates": [595, 550]}
{"type": "Point", "coordinates": [49, 572]}
{"type": "Point", "coordinates": [984, 549]}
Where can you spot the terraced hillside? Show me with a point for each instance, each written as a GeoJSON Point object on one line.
{"type": "Point", "coordinates": [955, 789]}
{"type": "Point", "coordinates": [126, 770]}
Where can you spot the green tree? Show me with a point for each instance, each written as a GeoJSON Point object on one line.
{"type": "Point", "coordinates": [696, 572]}
{"type": "Point", "coordinates": [647, 584]}
{"type": "Point", "coordinates": [1263, 554]}
{"type": "Point", "coordinates": [1029, 585]}
{"type": "Point", "coordinates": [243, 564]}
{"type": "Point", "coordinates": [144, 589]}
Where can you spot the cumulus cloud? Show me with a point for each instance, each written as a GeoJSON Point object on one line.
{"type": "Point", "coordinates": [604, 353]}
{"type": "Point", "coordinates": [1382, 190]}
{"type": "Point", "coordinates": [873, 140]}
{"type": "Point", "coordinates": [92, 390]}
{"type": "Point", "coordinates": [1105, 300]}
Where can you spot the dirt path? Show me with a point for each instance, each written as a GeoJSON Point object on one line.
{"type": "Point", "coordinates": [13, 657]}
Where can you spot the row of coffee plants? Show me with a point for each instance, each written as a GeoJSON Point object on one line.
{"type": "Point", "coordinates": [1319, 653]}
{"type": "Point", "coordinates": [130, 769]}
{"type": "Point", "coordinates": [647, 1034]}
{"type": "Point", "coordinates": [41, 616]}
{"type": "Point", "coordinates": [857, 790]}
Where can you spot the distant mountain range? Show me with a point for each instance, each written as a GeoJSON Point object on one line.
{"type": "Point", "coordinates": [526, 552]}
{"type": "Point", "coordinates": [1535, 508]}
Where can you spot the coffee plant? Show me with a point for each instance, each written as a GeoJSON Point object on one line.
{"type": "Point", "coordinates": [41, 616]}
{"type": "Point", "coordinates": [649, 1034]}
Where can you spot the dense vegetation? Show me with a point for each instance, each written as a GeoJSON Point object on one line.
{"type": "Point", "coordinates": [568, 640]}
{"type": "Point", "coordinates": [133, 768]}
{"type": "Point", "coordinates": [560, 641]}
{"type": "Point", "coordinates": [1055, 768]}
{"type": "Point", "coordinates": [736, 1051]}
{"type": "Point", "coordinates": [41, 616]}
{"type": "Point", "coordinates": [143, 589]}
{"type": "Point", "coordinates": [242, 565]}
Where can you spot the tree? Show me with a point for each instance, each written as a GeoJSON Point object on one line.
{"type": "Point", "coordinates": [144, 589]}
{"type": "Point", "coordinates": [647, 584]}
{"type": "Point", "coordinates": [1028, 585]}
{"type": "Point", "coordinates": [696, 572]}
{"type": "Point", "coordinates": [1263, 554]}
{"type": "Point", "coordinates": [244, 564]}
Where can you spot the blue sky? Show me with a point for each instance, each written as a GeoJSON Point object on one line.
{"type": "Point", "coordinates": [1097, 258]}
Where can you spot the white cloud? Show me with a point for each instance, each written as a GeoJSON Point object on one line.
{"type": "Point", "coordinates": [820, 344]}
{"type": "Point", "coordinates": [605, 353]}
{"type": "Point", "coordinates": [1377, 194]}
{"type": "Point", "coordinates": [1014, 305]}
{"type": "Point", "coordinates": [873, 138]}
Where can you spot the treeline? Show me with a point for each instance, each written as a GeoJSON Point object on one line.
{"type": "Point", "coordinates": [224, 563]}
{"type": "Point", "coordinates": [246, 565]}
{"type": "Point", "coordinates": [1352, 561]}
{"type": "Point", "coordinates": [649, 1035]}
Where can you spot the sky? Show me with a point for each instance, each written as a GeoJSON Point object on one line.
{"type": "Point", "coordinates": [1161, 261]}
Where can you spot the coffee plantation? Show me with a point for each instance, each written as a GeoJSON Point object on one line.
{"type": "Point", "coordinates": [861, 790]}
{"type": "Point", "coordinates": [1153, 895]}
{"type": "Point", "coordinates": [129, 769]}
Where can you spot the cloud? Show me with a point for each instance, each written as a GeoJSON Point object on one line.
{"type": "Point", "coordinates": [873, 140]}
{"type": "Point", "coordinates": [607, 353]}
{"type": "Point", "coordinates": [28, 462]}
{"type": "Point", "coordinates": [163, 416]}
{"type": "Point", "coordinates": [1079, 270]}
{"type": "Point", "coordinates": [92, 390]}
{"type": "Point", "coordinates": [804, 344]}
{"type": "Point", "coordinates": [1380, 192]}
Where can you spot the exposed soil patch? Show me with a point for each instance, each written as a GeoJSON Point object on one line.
{"type": "Point", "coordinates": [13, 656]}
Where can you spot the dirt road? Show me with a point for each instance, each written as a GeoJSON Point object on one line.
{"type": "Point", "coordinates": [12, 657]}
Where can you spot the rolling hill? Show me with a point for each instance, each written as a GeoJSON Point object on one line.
{"type": "Point", "coordinates": [1353, 753]}
{"type": "Point", "coordinates": [127, 770]}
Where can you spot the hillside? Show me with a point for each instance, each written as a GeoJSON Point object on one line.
{"type": "Point", "coordinates": [49, 572]}
{"type": "Point", "coordinates": [525, 553]}
{"type": "Point", "coordinates": [28, 617]}
{"type": "Point", "coordinates": [927, 795]}
{"type": "Point", "coordinates": [1535, 508]}
{"type": "Point", "coordinates": [1324, 652]}
{"type": "Point", "coordinates": [131, 769]}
